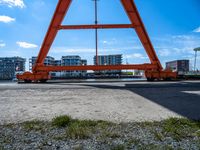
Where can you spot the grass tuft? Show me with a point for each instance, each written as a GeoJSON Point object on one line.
{"type": "Point", "coordinates": [78, 131]}
{"type": "Point", "coordinates": [61, 121]}
{"type": "Point", "coordinates": [158, 136]}
{"type": "Point", "coordinates": [33, 125]}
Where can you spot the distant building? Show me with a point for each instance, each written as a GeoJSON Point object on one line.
{"type": "Point", "coordinates": [57, 62]}
{"type": "Point", "coordinates": [73, 60]}
{"type": "Point", "coordinates": [9, 66]}
{"type": "Point", "coordinates": [65, 61]}
{"type": "Point", "coordinates": [83, 62]}
{"type": "Point", "coordinates": [109, 60]}
{"type": "Point", "coordinates": [49, 61]}
{"type": "Point", "coordinates": [180, 66]}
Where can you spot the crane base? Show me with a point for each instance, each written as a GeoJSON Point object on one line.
{"type": "Point", "coordinates": [160, 75]}
{"type": "Point", "coordinates": [29, 77]}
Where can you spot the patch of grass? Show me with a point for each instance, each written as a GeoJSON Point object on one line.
{"type": "Point", "coordinates": [83, 129]}
{"type": "Point", "coordinates": [158, 135]}
{"type": "Point", "coordinates": [85, 123]}
{"type": "Point", "coordinates": [197, 133]}
{"type": "Point", "coordinates": [179, 128]}
{"type": "Point", "coordinates": [33, 125]}
{"type": "Point", "coordinates": [78, 131]}
{"type": "Point", "coordinates": [111, 134]}
{"type": "Point", "coordinates": [104, 124]}
{"type": "Point", "coordinates": [61, 121]}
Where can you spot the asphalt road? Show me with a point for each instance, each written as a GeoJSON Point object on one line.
{"type": "Point", "coordinates": [112, 101]}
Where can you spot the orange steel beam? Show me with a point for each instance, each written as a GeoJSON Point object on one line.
{"type": "Point", "coordinates": [99, 67]}
{"type": "Point", "coordinates": [136, 20]}
{"type": "Point", "coordinates": [98, 26]}
{"type": "Point", "coordinates": [152, 71]}
{"type": "Point", "coordinates": [132, 12]}
{"type": "Point", "coordinates": [59, 14]}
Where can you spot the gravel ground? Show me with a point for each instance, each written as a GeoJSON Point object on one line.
{"type": "Point", "coordinates": [139, 136]}
{"type": "Point", "coordinates": [111, 101]}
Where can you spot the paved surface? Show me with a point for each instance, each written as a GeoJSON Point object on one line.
{"type": "Point", "coordinates": [113, 101]}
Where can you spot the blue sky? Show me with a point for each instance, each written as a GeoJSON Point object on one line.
{"type": "Point", "coordinates": [173, 26]}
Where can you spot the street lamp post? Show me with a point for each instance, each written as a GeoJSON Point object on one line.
{"type": "Point", "coordinates": [195, 59]}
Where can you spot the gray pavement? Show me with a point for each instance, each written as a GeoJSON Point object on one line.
{"type": "Point", "coordinates": [123, 101]}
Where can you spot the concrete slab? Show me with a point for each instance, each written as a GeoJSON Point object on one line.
{"type": "Point", "coordinates": [112, 101]}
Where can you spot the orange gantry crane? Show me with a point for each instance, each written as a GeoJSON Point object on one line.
{"type": "Point", "coordinates": [153, 70]}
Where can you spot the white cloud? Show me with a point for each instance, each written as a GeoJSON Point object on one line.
{"type": "Point", "coordinates": [26, 45]}
{"type": "Point", "coordinates": [2, 44]}
{"type": "Point", "coordinates": [102, 51]}
{"type": "Point", "coordinates": [13, 3]}
{"type": "Point", "coordinates": [6, 19]}
{"type": "Point", "coordinates": [68, 50]}
{"type": "Point", "coordinates": [197, 30]}
{"type": "Point", "coordinates": [177, 45]}
{"type": "Point", "coordinates": [136, 55]}
{"type": "Point", "coordinates": [105, 42]}
{"type": "Point", "coordinates": [164, 52]}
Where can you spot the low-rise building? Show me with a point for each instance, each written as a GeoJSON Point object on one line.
{"type": "Point", "coordinates": [9, 66]}
{"type": "Point", "coordinates": [65, 61]}
{"type": "Point", "coordinates": [49, 61]}
{"type": "Point", "coordinates": [180, 66]}
{"type": "Point", "coordinates": [57, 62]}
{"type": "Point", "coordinates": [73, 60]}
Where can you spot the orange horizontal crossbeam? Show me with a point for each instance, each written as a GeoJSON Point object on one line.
{"type": "Point", "coordinates": [98, 68]}
{"type": "Point", "coordinates": [98, 26]}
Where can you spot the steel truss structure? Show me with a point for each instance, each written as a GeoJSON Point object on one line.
{"type": "Point", "coordinates": [152, 70]}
